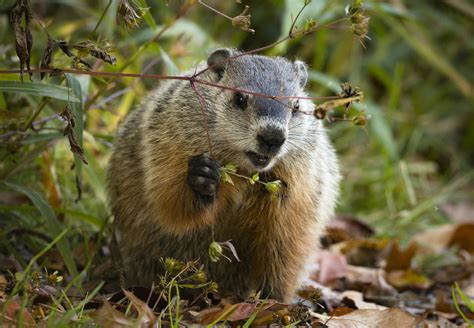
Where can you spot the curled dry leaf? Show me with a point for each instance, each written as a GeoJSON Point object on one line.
{"type": "Point", "coordinates": [145, 313]}
{"type": "Point", "coordinates": [68, 117]}
{"type": "Point", "coordinates": [108, 317]}
{"type": "Point", "coordinates": [23, 37]}
{"type": "Point", "coordinates": [89, 48]}
{"type": "Point", "coordinates": [47, 56]}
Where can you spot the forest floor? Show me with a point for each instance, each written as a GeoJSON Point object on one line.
{"type": "Point", "coordinates": [356, 281]}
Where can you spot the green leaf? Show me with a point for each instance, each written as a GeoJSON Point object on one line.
{"type": "Point", "coordinates": [148, 17]}
{"type": "Point", "coordinates": [380, 127]}
{"type": "Point", "coordinates": [40, 137]}
{"type": "Point", "coordinates": [273, 187]}
{"type": "Point", "coordinates": [39, 89]}
{"type": "Point", "coordinates": [469, 303]}
{"type": "Point", "coordinates": [255, 176]}
{"type": "Point", "coordinates": [230, 168]}
{"type": "Point", "coordinates": [225, 177]}
{"type": "Point", "coordinates": [52, 223]}
{"type": "Point", "coordinates": [455, 289]}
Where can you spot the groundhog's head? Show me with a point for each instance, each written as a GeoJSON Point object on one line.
{"type": "Point", "coordinates": [256, 132]}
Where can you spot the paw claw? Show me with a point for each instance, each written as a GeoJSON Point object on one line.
{"type": "Point", "coordinates": [203, 177]}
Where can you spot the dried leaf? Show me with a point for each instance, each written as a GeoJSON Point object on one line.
{"type": "Point", "coordinates": [232, 249]}
{"type": "Point", "coordinates": [400, 259]}
{"type": "Point", "coordinates": [358, 299]}
{"type": "Point", "coordinates": [64, 46]}
{"type": "Point", "coordinates": [47, 56]}
{"type": "Point", "coordinates": [371, 318]}
{"type": "Point", "coordinates": [102, 54]}
{"type": "Point", "coordinates": [145, 313]}
{"type": "Point", "coordinates": [89, 48]}
{"type": "Point", "coordinates": [108, 317]}
{"type": "Point", "coordinates": [23, 37]}
{"type": "Point", "coordinates": [463, 237]}
{"type": "Point", "coordinates": [408, 279]}
{"type": "Point", "coordinates": [332, 266]}
{"type": "Point", "coordinates": [10, 312]}
{"type": "Point", "coordinates": [68, 116]}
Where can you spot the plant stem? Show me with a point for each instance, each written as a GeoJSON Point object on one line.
{"type": "Point", "coordinates": [102, 17]}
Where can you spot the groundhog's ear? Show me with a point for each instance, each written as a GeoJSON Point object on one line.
{"type": "Point", "coordinates": [217, 61]}
{"type": "Point", "coordinates": [302, 70]}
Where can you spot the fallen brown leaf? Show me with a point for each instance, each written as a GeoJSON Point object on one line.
{"type": "Point", "coordinates": [389, 318]}
{"type": "Point", "coordinates": [462, 212]}
{"type": "Point", "coordinates": [408, 279]}
{"type": "Point", "coordinates": [145, 314]}
{"type": "Point", "coordinates": [399, 259]}
{"type": "Point", "coordinates": [332, 266]}
{"type": "Point", "coordinates": [358, 299]}
{"type": "Point", "coordinates": [108, 317]}
{"type": "Point", "coordinates": [463, 237]}
{"type": "Point", "coordinates": [369, 280]}
{"type": "Point", "coordinates": [10, 313]}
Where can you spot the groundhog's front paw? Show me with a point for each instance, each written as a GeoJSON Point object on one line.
{"type": "Point", "coordinates": [203, 177]}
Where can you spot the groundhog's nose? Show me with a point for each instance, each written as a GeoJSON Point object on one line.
{"type": "Point", "coordinates": [270, 140]}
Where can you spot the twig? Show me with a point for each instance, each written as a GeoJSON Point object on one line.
{"type": "Point", "coordinates": [214, 10]}
{"type": "Point", "coordinates": [202, 102]}
{"type": "Point", "coordinates": [102, 17]}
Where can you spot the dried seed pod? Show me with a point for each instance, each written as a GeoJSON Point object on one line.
{"type": "Point", "coordinates": [359, 21]}
{"type": "Point", "coordinates": [360, 120]}
{"type": "Point", "coordinates": [215, 251]}
{"type": "Point", "coordinates": [129, 13]}
{"type": "Point", "coordinates": [242, 21]}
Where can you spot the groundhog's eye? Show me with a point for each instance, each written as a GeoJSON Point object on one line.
{"type": "Point", "coordinates": [240, 100]}
{"type": "Point", "coordinates": [296, 106]}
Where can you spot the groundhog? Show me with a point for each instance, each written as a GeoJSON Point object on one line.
{"type": "Point", "coordinates": [165, 189]}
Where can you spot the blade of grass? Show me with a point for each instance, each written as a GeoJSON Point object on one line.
{"type": "Point", "coordinates": [222, 316]}
{"type": "Point", "coordinates": [35, 258]}
{"type": "Point", "coordinates": [148, 17]}
{"type": "Point", "coordinates": [461, 313]}
{"type": "Point", "coordinates": [39, 89]}
{"type": "Point", "coordinates": [84, 217]}
{"type": "Point", "coordinates": [52, 223]}
{"type": "Point", "coordinates": [64, 322]}
{"type": "Point", "coordinates": [469, 303]}
{"type": "Point", "coordinates": [413, 35]}
{"type": "Point", "coordinates": [251, 319]}
{"type": "Point", "coordinates": [409, 217]}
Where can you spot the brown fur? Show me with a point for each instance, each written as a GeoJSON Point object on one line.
{"type": "Point", "coordinates": [157, 214]}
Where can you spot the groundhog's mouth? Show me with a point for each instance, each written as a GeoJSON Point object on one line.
{"type": "Point", "coordinates": [257, 159]}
